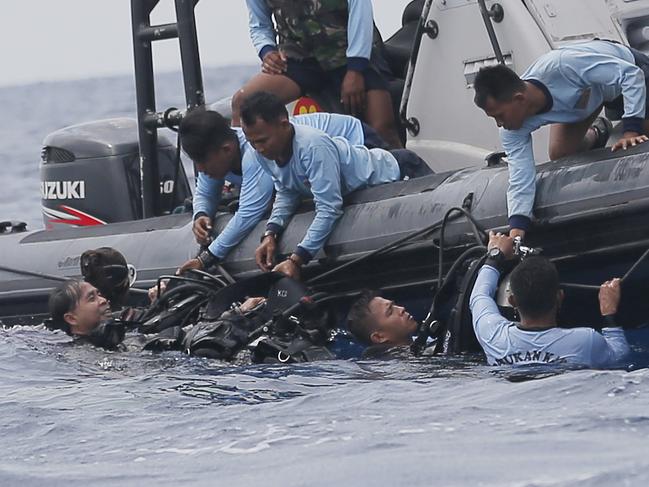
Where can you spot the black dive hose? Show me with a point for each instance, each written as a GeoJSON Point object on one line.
{"type": "Point", "coordinates": [406, 240]}
{"type": "Point", "coordinates": [51, 277]}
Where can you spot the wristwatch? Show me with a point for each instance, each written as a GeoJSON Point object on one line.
{"type": "Point", "coordinates": [207, 259]}
{"type": "Point", "coordinates": [495, 258]}
{"type": "Point", "coordinates": [269, 233]}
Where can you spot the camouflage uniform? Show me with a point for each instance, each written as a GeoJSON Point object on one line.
{"type": "Point", "coordinates": [313, 29]}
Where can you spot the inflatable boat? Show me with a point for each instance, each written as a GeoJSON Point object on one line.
{"type": "Point", "coordinates": [118, 183]}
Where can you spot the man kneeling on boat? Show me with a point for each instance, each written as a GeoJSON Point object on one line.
{"type": "Point", "coordinates": [223, 153]}
{"type": "Point", "coordinates": [567, 88]}
{"type": "Point", "coordinates": [306, 163]}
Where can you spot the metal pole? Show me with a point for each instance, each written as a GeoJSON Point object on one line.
{"type": "Point", "coordinates": [145, 96]}
{"type": "Point", "coordinates": [486, 17]}
{"type": "Point", "coordinates": [189, 53]}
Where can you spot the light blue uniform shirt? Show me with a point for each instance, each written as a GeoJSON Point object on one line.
{"type": "Point", "coordinates": [579, 79]}
{"type": "Point", "coordinates": [360, 30]}
{"type": "Point", "coordinates": [506, 344]}
{"type": "Point", "coordinates": [325, 169]}
{"type": "Point", "coordinates": [256, 186]}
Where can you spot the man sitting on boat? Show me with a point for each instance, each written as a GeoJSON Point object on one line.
{"type": "Point", "coordinates": [566, 87]}
{"type": "Point", "coordinates": [321, 44]}
{"type": "Point", "coordinates": [537, 297]}
{"type": "Point", "coordinates": [306, 162]}
{"type": "Point", "coordinates": [221, 152]}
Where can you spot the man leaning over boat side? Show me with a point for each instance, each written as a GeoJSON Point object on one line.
{"type": "Point", "coordinates": [321, 43]}
{"type": "Point", "coordinates": [567, 88]}
{"type": "Point", "coordinates": [221, 152]}
{"type": "Point", "coordinates": [537, 297]}
{"type": "Point", "coordinates": [306, 163]}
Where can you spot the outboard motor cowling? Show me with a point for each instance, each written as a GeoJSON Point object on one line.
{"type": "Point", "coordinates": [90, 175]}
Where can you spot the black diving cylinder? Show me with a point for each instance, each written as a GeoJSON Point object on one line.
{"type": "Point", "coordinates": [90, 175]}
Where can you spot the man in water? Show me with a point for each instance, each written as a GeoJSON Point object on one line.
{"type": "Point", "coordinates": [77, 307]}
{"type": "Point", "coordinates": [321, 43]}
{"type": "Point", "coordinates": [306, 162]}
{"type": "Point", "coordinates": [537, 297]}
{"type": "Point", "coordinates": [567, 88]}
{"type": "Point", "coordinates": [382, 324]}
{"type": "Point", "coordinates": [221, 152]}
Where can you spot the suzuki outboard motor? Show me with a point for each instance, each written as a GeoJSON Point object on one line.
{"type": "Point", "coordinates": [90, 175]}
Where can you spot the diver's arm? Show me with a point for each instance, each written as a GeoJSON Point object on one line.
{"type": "Point", "coordinates": [207, 195]}
{"type": "Point", "coordinates": [323, 171]}
{"type": "Point", "coordinates": [260, 23]}
{"type": "Point", "coordinates": [609, 348]}
{"type": "Point", "coordinates": [487, 320]}
{"type": "Point", "coordinates": [254, 199]}
{"type": "Point", "coordinates": [522, 177]}
{"type": "Point", "coordinates": [360, 34]}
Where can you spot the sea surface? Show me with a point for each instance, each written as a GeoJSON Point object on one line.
{"type": "Point", "coordinates": [79, 416]}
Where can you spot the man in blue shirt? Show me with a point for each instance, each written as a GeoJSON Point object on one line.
{"type": "Point", "coordinates": [314, 44]}
{"type": "Point", "coordinates": [306, 162]}
{"type": "Point", "coordinates": [537, 297]}
{"type": "Point", "coordinates": [566, 87]}
{"type": "Point", "coordinates": [221, 152]}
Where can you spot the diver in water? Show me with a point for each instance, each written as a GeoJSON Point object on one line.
{"type": "Point", "coordinates": [381, 324]}
{"type": "Point", "coordinates": [384, 326]}
{"type": "Point", "coordinates": [320, 44]}
{"type": "Point", "coordinates": [537, 297]}
{"type": "Point", "coordinates": [221, 152]}
{"type": "Point", "coordinates": [78, 309]}
{"type": "Point", "coordinates": [567, 88]}
{"type": "Point", "coordinates": [306, 162]}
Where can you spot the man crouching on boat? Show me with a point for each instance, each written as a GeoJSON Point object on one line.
{"type": "Point", "coordinates": [221, 153]}
{"type": "Point", "coordinates": [537, 296]}
{"type": "Point", "coordinates": [567, 88]}
{"type": "Point", "coordinates": [306, 163]}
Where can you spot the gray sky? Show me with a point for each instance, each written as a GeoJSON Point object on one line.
{"type": "Point", "coordinates": [46, 40]}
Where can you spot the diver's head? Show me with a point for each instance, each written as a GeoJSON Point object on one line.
{"type": "Point", "coordinates": [77, 307]}
{"type": "Point", "coordinates": [535, 291]}
{"type": "Point", "coordinates": [374, 320]}
{"type": "Point", "coordinates": [502, 94]}
{"type": "Point", "coordinates": [209, 141]}
{"type": "Point", "coordinates": [265, 122]}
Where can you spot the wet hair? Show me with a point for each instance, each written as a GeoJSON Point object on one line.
{"type": "Point", "coordinates": [359, 318]}
{"type": "Point", "coordinates": [62, 300]}
{"type": "Point", "coordinates": [535, 284]}
{"type": "Point", "coordinates": [107, 270]}
{"type": "Point", "coordinates": [202, 131]}
{"type": "Point", "coordinates": [262, 105]}
{"type": "Point", "coordinates": [498, 82]}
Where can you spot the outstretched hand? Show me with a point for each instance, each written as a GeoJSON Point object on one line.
{"type": "Point", "coordinates": [265, 253]}
{"type": "Point", "coordinates": [610, 294]}
{"type": "Point", "coordinates": [503, 242]}
{"type": "Point", "coordinates": [629, 139]}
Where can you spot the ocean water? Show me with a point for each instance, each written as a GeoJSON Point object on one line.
{"type": "Point", "coordinates": [77, 415]}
